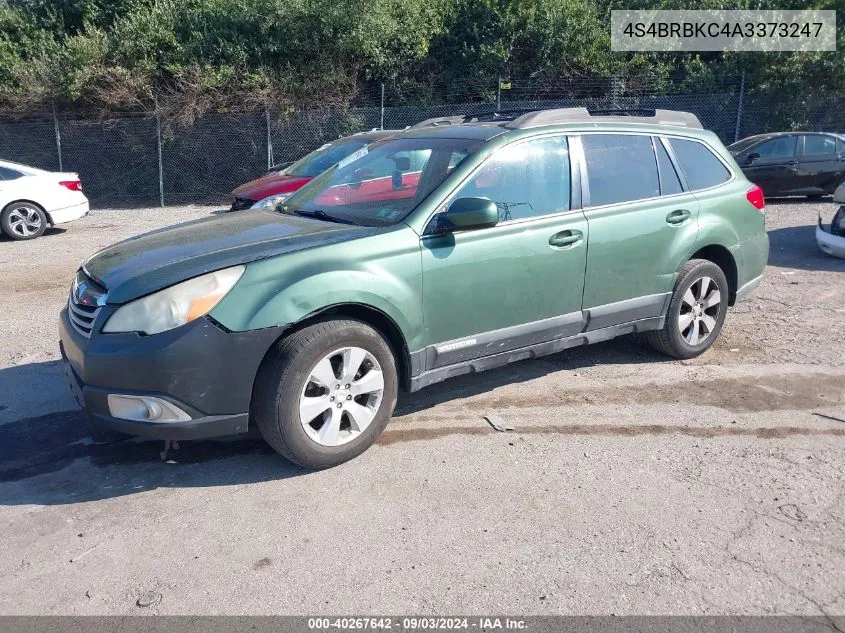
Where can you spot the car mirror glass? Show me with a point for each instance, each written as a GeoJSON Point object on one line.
{"type": "Point", "coordinates": [469, 213]}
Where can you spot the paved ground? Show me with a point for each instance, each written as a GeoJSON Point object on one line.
{"type": "Point", "coordinates": [631, 484]}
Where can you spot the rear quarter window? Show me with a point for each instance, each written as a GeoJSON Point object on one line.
{"type": "Point", "coordinates": [701, 168]}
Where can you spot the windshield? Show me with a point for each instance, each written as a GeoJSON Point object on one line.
{"type": "Point", "coordinates": [380, 184]}
{"type": "Point", "coordinates": [322, 158]}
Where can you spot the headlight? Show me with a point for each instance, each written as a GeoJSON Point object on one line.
{"type": "Point", "coordinates": [270, 202]}
{"type": "Point", "coordinates": [174, 306]}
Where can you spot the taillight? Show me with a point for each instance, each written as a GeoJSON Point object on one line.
{"type": "Point", "coordinates": [755, 197]}
{"type": "Point", "coordinates": [73, 185]}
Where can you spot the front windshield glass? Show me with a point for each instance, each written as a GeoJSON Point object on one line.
{"type": "Point", "coordinates": [322, 158]}
{"type": "Point", "coordinates": [380, 184]}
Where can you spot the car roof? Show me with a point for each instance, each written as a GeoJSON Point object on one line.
{"type": "Point", "coordinates": [486, 126]}
{"type": "Point", "coordinates": [487, 131]}
{"type": "Point", "coordinates": [769, 135]}
{"type": "Point", "coordinates": [372, 135]}
{"type": "Point", "coordinates": [475, 131]}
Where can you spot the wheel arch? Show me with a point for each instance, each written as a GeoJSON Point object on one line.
{"type": "Point", "coordinates": [27, 201]}
{"type": "Point", "coordinates": [375, 318]}
{"type": "Point", "coordinates": [724, 259]}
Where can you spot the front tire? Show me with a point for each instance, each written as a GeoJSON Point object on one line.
{"type": "Point", "coordinates": [697, 311]}
{"type": "Point", "coordinates": [325, 393]}
{"type": "Point", "coordinates": [23, 221]}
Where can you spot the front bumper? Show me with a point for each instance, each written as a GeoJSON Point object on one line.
{"type": "Point", "coordinates": [831, 244]}
{"type": "Point", "coordinates": [205, 371]}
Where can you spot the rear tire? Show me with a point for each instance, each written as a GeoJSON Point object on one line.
{"type": "Point", "coordinates": [23, 220]}
{"type": "Point", "coordinates": [324, 394]}
{"type": "Point", "coordinates": [696, 312]}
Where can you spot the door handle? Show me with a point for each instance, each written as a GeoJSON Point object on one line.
{"type": "Point", "coordinates": [566, 238]}
{"type": "Point", "coordinates": [678, 216]}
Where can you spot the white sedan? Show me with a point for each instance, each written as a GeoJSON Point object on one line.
{"type": "Point", "coordinates": [32, 199]}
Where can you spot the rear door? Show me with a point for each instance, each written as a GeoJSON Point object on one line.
{"type": "Point", "coordinates": [819, 168]}
{"type": "Point", "coordinates": [772, 165]}
{"type": "Point", "coordinates": [643, 224]}
{"type": "Point", "coordinates": [520, 282]}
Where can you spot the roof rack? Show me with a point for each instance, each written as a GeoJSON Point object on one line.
{"type": "Point", "coordinates": [554, 116]}
{"type": "Point", "coordinates": [492, 115]}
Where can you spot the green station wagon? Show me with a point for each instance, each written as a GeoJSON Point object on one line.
{"type": "Point", "coordinates": [450, 249]}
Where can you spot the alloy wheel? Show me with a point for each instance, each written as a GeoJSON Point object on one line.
{"type": "Point", "coordinates": [699, 311]}
{"type": "Point", "coordinates": [341, 396]}
{"type": "Point", "coordinates": [24, 221]}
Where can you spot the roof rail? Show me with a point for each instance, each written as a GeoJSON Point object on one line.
{"type": "Point", "coordinates": [554, 116]}
{"type": "Point", "coordinates": [437, 122]}
{"type": "Point", "coordinates": [490, 116]}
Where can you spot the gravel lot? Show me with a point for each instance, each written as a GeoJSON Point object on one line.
{"type": "Point", "coordinates": [631, 484]}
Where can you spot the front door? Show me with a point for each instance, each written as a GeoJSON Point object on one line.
{"type": "Point", "coordinates": [515, 284]}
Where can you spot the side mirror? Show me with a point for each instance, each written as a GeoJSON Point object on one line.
{"type": "Point", "coordinates": [751, 158]}
{"type": "Point", "coordinates": [470, 213]}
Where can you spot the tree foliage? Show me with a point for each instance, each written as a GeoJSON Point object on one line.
{"type": "Point", "coordinates": [192, 55]}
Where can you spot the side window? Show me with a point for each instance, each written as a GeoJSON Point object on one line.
{"type": "Point", "coordinates": [840, 146]}
{"type": "Point", "coordinates": [9, 174]}
{"type": "Point", "coordinates": [701, 168]}
{"type": "Point", "coordinates": [620, 168]}
{"type": "Point", "coordinates": [669, 181]}
{"type": "Point", "coordinates": [818, 145]}
{"type": "Point", "coordinates": [777, 148]}
{"type": "Point", "coordinates": [525, 179]}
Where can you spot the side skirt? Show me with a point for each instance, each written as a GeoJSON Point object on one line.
{"type": "Point", "coordinates": [439, 374]}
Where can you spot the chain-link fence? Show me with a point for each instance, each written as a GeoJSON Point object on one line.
{"type": "Point", "coordinates": [157, 160]}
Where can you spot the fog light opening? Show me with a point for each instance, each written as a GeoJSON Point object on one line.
{"type": "Point", "coordinates": [144, 409]}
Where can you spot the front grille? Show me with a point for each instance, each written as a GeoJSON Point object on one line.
{"type": "Point", "coordinates": [241, 203]}
{"type": "Point", "coordinates": [84, 304]}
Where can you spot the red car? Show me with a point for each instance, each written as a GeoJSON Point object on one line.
{"type": "Point", "coordinates": [278, 184]}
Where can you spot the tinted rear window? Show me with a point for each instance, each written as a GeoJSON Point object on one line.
{"type": "Point", "coordinates": [620, 168]}
{"type": "Point", "coordinates": [701, 168]}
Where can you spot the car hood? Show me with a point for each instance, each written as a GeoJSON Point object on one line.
{"type": "Point", "coordinates": [152, 261]}
{"type": "Point", "coordinates": [270, 185]}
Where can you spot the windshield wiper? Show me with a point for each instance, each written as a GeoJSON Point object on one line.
{"type": "Point", "coordinates": [322, 215]}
